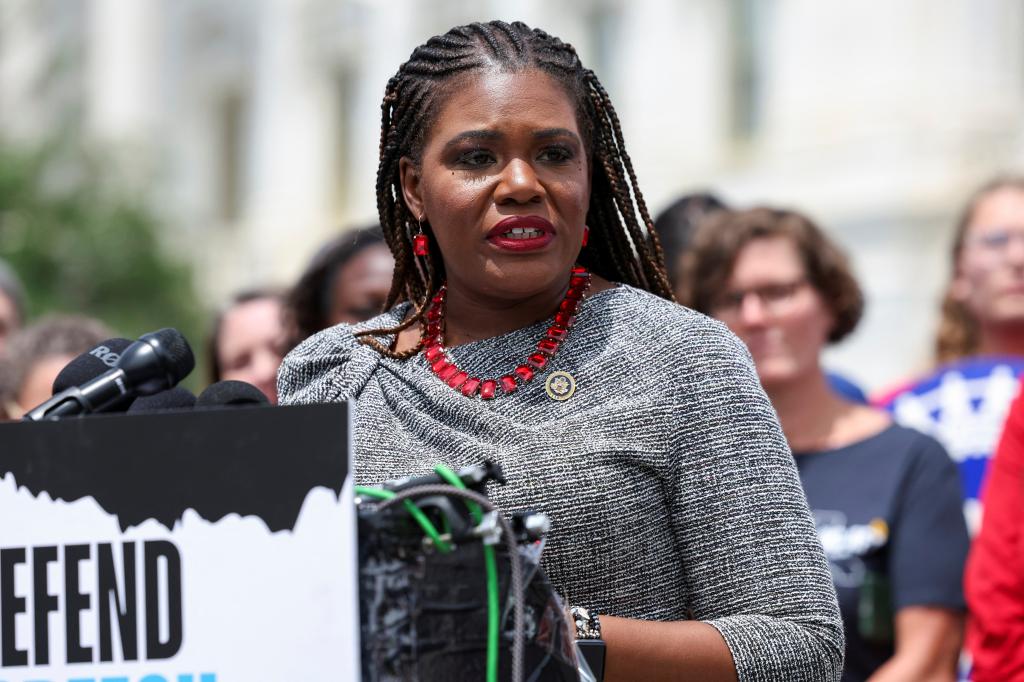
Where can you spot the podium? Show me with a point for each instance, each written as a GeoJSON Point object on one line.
{"type": "Point", "coordinates": [206, 546]}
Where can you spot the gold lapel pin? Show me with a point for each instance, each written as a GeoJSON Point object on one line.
{"type": "Point", "coordinates": [560, 386]}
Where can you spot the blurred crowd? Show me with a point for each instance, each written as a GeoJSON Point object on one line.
{"type": "Point", "coordinates": [896, 481]}
{"type": "Point", "coordinates": [348, 280]}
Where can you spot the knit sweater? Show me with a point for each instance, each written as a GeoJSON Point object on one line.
{"type": "Point", "coordinates": [671, 490]}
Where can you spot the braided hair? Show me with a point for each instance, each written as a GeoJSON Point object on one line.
{"type": "Point", "coordinates": [623, 245]}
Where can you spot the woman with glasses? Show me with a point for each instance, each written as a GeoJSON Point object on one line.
{"type": "Point", "coordinates": [886, 499]}
{"type": "Point", "coordinates": [979, 347]}
{"type": "Point", "coordinates": [979, 352]}
{"type": "Point", "coordinates": [983, 312]}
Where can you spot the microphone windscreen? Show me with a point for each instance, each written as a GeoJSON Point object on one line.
{"type": "Point", "coordinates": [91, 364]}
{"type": "Point", "coordinates": [176, 398]}
{"type": "Point", "coordinates": [173, 350]}
{"type": "Point", "coordinates": [231, 394]}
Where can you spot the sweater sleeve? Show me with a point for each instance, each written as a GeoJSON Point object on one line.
{"type": "Point", "coordinates": [328, 367]}
{"type": "Point", "coordinates": [995, 570]}
{"type": "Point", "coordinates": [753, 561]}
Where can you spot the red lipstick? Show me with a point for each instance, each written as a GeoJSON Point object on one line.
{"type": "Point", "coordinates": [522, 233]}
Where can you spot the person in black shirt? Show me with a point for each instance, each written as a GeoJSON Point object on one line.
{"type": "Point", "coordinates": [886, 499]}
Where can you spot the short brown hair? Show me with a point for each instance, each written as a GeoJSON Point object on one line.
{"type": "Point", "coordinates": [718, 241]}
{"type": "Point", "coordinates": [50, 336]}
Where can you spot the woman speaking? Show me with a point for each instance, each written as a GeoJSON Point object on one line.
{"type": "Point", "coordinates": [532, 324]}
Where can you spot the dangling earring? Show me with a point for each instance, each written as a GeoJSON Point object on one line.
{"type": "Point", "coordinates": [586, 235]}
{"type": "Point", "coordinates": [420, 243]}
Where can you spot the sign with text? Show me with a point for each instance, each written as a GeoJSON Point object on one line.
{"type": "Point", "coordinates": [212, 546]}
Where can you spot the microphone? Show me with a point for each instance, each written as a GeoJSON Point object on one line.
{"type": "Point", "coordinates": [220, 394]}
{"type": "Point", "coordinates": [90, 365]}
{"type": "Point", "coordinates": [176, 398]}
{"type": "Point", "coordinates": [230, 394]}
{"type": "Point", "coordinates": [156, 362]}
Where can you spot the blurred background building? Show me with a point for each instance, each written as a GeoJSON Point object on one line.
{"type": "Point", "coordinates": [251, 126]}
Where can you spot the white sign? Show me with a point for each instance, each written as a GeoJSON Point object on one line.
{"type": "Point", "coordinates": [205, 601]}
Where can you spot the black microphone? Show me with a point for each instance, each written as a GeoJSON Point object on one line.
{"type": "Point", "coordinates": [156, 362]}
{"type": "Point", "coordinates": [230, 394]}
{"type": "Point", "coordinates": [90, 365]}
{"type": "Point", "coordinates": [176, 398]}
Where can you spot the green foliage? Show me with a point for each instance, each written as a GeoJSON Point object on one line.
{"type": "Point", "coordinates": [82, 246]}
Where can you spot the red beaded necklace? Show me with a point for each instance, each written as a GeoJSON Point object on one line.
{"type": "Point", "coordinates": [441, 363]}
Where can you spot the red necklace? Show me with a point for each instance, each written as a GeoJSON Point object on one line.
{"type": "Point", "coordinates": [443, 366]}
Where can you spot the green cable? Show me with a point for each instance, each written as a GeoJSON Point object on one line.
{"type": "Point", "coordinates": [493, 591]}
{"type": "Point", "coordinates": [415, 511]}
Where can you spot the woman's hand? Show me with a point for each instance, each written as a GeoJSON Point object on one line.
{"type": "Point", "coordinates": [657, 651]}
{"type": "Point", "coordinates": [928, 643]}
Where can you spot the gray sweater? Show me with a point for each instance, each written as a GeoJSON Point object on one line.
{"type": "Point", "coordinates": [670, 487]}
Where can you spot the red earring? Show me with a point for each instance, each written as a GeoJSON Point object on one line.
{"type": "Point", "coordinates": [420, 243]}
{"type": "Point", "coordinates": [586, 235]}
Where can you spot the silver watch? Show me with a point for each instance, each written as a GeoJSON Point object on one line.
{"type": "Point", "coordinates": [588, 625]}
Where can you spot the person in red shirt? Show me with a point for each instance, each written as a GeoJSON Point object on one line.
{"type": "Point", "coordinates": [994, 579]}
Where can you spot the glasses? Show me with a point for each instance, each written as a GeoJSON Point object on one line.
{"type": "Point", "coordinates": [774, 298]}
{"type": "Point", "coordinates": [997, 241]}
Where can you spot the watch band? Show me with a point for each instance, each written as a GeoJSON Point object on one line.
{"type": "Point", "coordinates": [588, 625]}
